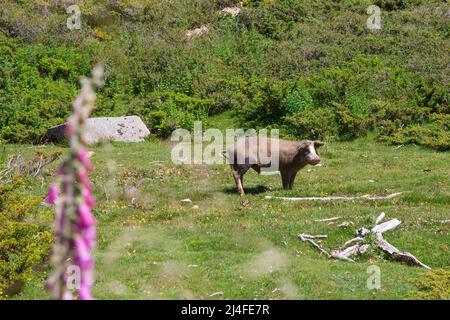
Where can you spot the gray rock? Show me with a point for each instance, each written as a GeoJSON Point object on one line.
{"type": "Point", "coordinates": [126, 129]}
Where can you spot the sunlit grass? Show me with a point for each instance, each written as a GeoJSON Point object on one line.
{"type": "Point", "coordinates": [156, 247]}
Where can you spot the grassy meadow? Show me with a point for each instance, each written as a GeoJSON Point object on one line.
{"type": "Point", "coordinates": [155, 247]}
{"type": "Point", "coordinates": [311, 68]}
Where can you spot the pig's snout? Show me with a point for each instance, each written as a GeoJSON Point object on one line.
{"type": "Point", "coordinates": [314, 161]}
{"type": "Point", "coordinates": [312, 157]}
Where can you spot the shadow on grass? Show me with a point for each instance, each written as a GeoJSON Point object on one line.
{"type": "Point", "coordinates": [248, 190]}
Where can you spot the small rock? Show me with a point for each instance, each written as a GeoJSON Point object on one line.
{"type": "Point", "coordinates": [196, 32]}
{"type": "Point", "coordinates": [195, 207]}
{"type": "Point", "coordinates": [234, 11]}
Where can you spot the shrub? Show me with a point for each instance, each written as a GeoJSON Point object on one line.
{"type": "Point", "coordinates": [433, 285]}
{"type": "Point", "coordinates": [37, 87]}
{"type": "Point", "coordinates": [265, 103]}
{"type": "Point", "coordinates": [435, 135]}
{"type": "Point", "coordinates": [24, 244]}
{"type": "Point", "coordinates": [396, 4]}
{"type": "Point", "coordinates": [226, 93]}
{"type": "Point", "coordinates": [166, 111]}
{"type": "Point", "coordinates": [313, 124]}
{"type": "Point", "coordinates": [298, 101]}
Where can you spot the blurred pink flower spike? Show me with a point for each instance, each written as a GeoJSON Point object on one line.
{"type": "Point", "coordinates": [87, 220]}
{"type": "Point", "coordinates": [83, 156]}
{"type": "Point", "coordinates": [75, 224]}
{"type": "Point", "coordinates": [52, 194]}
{"type": "Point", "coordinates": [88, 198]}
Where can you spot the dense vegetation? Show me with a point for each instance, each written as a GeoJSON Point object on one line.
{"type": "Point", "coordinates": [25, 237]}
{"type": "Point", "coordinates": [311, 68]}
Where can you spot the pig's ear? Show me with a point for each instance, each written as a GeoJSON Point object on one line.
{"type": "Point", "coordinates": [318, 144]}
{"type": "Point", "coordinates": [304, 145]}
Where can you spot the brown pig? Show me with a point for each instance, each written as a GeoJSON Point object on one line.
{"type": "Point", "coordinates": [256, 153]}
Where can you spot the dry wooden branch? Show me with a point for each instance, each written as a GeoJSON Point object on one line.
{"type": "Point", "coordinates": [337, 255]}
{"type": "Point", "coordinates": [327, 219]}
{"type": "Point", "coordinates": [345, 252]}
{"type": "Point", "coordinates": [308, 238]}
{"type": "Point", "coordinates": [379, 218]}
{"type": "Point", "coordinates": [395, 253]}
{"type": "Point", "coordinates": [350, 251]}
{"type": "Point", "coordinates": [357, 239]}
{"type": "Point", "coordinates": [386, 226]}
{"type": "Point", "coordinates": [364, 197]}
{"type": "Point", "coordinates": [32, 168]}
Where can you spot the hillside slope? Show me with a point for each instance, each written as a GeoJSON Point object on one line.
{"type": "Point", "coordinates": [311, 68]}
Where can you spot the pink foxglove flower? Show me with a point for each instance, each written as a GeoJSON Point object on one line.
{"type": "Point", "coordinates": [83, 156]}
{"type": "Point", "coordinates": [75, 224]}
{"type": "Point", "coordinates": [69, 130]}
{"type": "Point", "coordinates": [87, 220]}
{"type": "Point", "coordinates": [83, 256]}
{"type": "Point", "coordinates": [88, 198]}
{"type": "Point", "coordinates": [67, 295]}
{"type": "Point", "coordinates": [52, 194]}
{"type": "Point", "coordinates": [84, 178]}
{"type": "Point", "coordinates": [85, 293]}
{"type": "Point", "coordinates": [89, 237]}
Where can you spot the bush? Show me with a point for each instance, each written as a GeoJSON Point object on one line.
{"type": "Point", "coordinates": [313, 124]}
{"type": "Point", "coordinates": [433, 285]}
{"type": "Point", "coordinates": [265, 103]}
{"type": "Point", "coordinates": [226, 93]}
{"type": "Point", "coordinates": [435, 134]}
{"type": "Point", "coordinates": [37, 88]}
{"type": "Point", "coordinates": [396, 4]}
{"type": "Point", "coordinates": [166, 111]}
{"type": "Point", "coordinates": [298, 101]}
{"type": "Point", "coordinates": [24, 244]}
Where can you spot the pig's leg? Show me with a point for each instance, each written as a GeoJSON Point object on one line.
{"type": "Point", "coordinates": [285, 179]}
{"type": "Point", "coordinates": [238, 181]}
{"type": "Point", "coordinates": [291, 182]}
{"type": "Point", "coordinates": [257, 168]}
{"type": "Point", "coordinates": [238, 174]}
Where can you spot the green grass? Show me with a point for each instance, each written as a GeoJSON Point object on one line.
{"type": "Point", "coordinates": [158, 248]}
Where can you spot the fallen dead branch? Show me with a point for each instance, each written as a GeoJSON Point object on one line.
{"type": "Point", "coordinates": [345, 252]}
{"type": "Point", "coordinates": [357, 239]}
{"type": "Point", "coordinates": [350, 251]}
{"type": "Point", "coordinates": [327, 219]}
{"type": "Point", "coordinates": [17, 165]}
{"type": "Point", "coordinates": [364, 197]}
{"type": "Point", "coordinates": [386, 226]}
{"type": "Point", "coordinates": [379, 218]}
{"type": "Point", "coordinates": [393, 252]}
{"type": "Point", "coordinates": [309, 238]}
